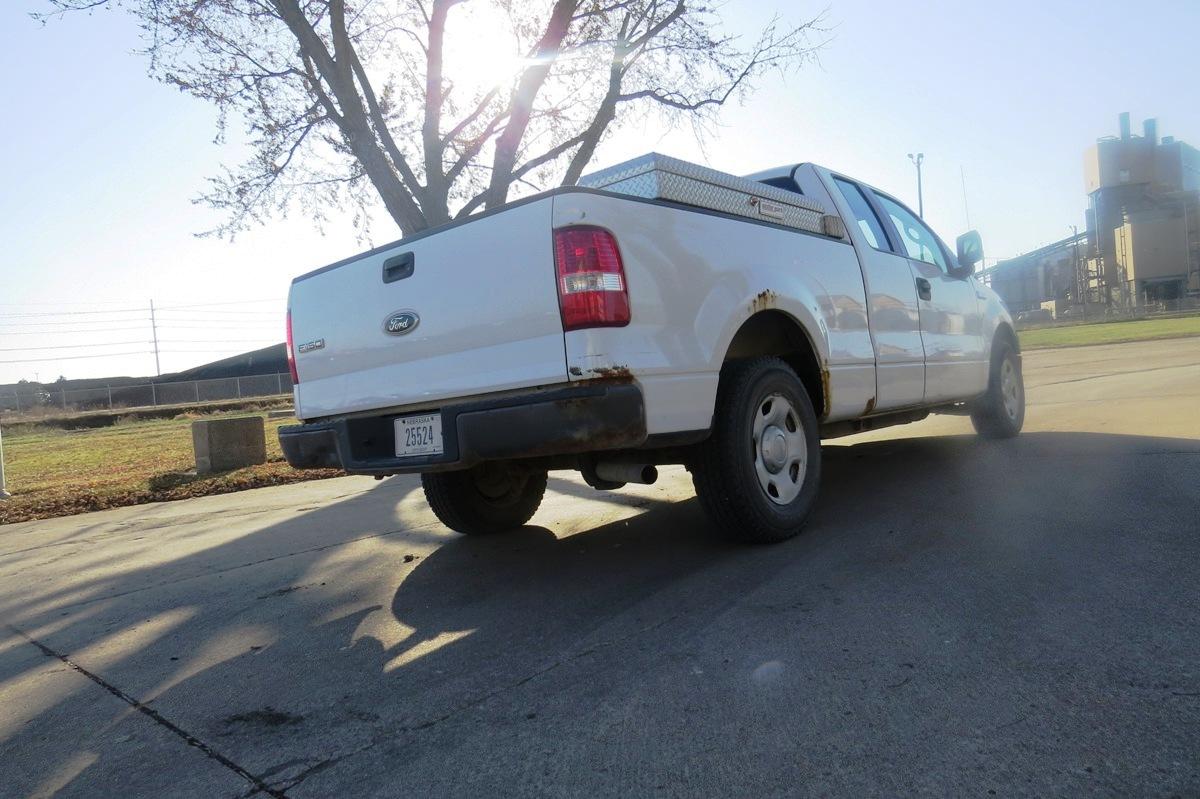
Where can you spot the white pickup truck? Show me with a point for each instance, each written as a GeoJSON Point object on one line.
{"type": "Point", "coordinates": [666, 314]}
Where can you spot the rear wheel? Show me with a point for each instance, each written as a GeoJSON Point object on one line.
{"type": "Point", "coordinates": [488, 498]}
{"type": "Point", "coordinates": [757, 475]}
{"type": "Point", "coordinates": [1000, 413]}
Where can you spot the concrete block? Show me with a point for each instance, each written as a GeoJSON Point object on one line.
{"type": "Point", "coordinates": [281, 413]}
{"type": "Point", "coordinates": [224, 444]}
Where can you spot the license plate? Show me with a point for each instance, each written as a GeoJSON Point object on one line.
{"type": "Point", "coordinates": [419, 435]}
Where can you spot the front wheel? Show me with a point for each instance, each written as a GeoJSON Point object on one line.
{"type": "Point", "coordinates": [489, 498]}
{"type": "Point", "coordinates": [1000, 413]}
{"type": "Point", "coordinates": [757, 475]}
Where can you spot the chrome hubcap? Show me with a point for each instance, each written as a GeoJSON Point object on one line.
{"type": "Point", "coordinates": [1010, 389]}
{"type": "Point", "coordinates": [780, 450]}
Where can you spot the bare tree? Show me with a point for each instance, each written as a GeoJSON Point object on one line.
{"type": "Point", "coordinates": [352, 102]}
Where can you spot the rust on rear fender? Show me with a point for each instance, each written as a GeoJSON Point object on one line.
{"type": "Point", "coordinates": [763, 301]}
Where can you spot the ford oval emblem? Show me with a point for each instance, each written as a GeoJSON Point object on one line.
{"type": "Point", "coordinates": [401, 322]}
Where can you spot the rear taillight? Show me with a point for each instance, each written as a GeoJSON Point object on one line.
{"type": "Point", "coordinates": [591, 278]}
{"type": "Point", "coordinates": [291, 350]}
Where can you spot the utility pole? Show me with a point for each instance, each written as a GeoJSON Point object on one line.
{"type": "Point", "coordinates": [3, 494]}
{"type": "Point", "coordinates": [154, 330]}
{"type": "Point", "coordinates": [919, 159]}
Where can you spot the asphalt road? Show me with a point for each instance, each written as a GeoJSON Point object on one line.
{"type": "Point", "coordinates": [961, 618]}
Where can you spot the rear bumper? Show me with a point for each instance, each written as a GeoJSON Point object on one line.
{"type": "Point", "coordinates": [549, 422]}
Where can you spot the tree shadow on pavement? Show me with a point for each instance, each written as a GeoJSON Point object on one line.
{"type": "Point", "coordinates": [358, 641]}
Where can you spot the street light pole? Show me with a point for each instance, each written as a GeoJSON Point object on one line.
{"type": "Point", "coordinates": [918, 159]}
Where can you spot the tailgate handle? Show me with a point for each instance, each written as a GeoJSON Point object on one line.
{"type": "Point", "coordinates": [398, 267]}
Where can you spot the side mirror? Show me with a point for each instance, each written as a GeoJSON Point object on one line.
{"type": "Point", "coordinates": [970, 250]}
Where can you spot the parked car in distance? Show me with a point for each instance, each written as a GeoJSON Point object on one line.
{"type": "Point", "coordinates": [663, 314]}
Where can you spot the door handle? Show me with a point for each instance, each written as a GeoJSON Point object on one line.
{"type": "Point", "coordinates": [398, 267]}
{"type": "Point", "coordinates": [924, 289]}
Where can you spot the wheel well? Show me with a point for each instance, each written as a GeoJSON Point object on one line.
{"type": "Point", "coordinates": [1006, 334]}
{"type": "Point", "coordinates": [776, 333]}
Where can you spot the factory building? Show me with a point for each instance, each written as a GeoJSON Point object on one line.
{"type": "Point", "coordinates": [1143, 219]}
{"type": "Point", "coordinates": [1142, 245]}
{"type": "Point", "coordinates": [1046, 275]}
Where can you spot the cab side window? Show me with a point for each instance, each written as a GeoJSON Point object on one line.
{"type": "Point", "coordinates": [919, 241]}
{"type": "Point", "coordinates": [868, 222]}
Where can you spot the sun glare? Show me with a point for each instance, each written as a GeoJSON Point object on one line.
{"type": "Point", "coordinates": [481, 48]}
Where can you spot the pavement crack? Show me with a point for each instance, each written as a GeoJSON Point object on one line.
{"type": "Point", "coordinates": [1114, 374]}
{"type": "Point", "coordinates": [319, 766]}
{"type": "Point", "coordinates": [155, 716]}
{"type": "Point", "coordinates": [315, 768]}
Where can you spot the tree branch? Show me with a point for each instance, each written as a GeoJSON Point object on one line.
{"type": "Point", "coordinates": [523, 98]}
{"type": "Point", "coordinates": [356, 129]}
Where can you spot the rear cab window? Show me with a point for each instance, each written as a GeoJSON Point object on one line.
{"type": "Point", "coordinates": [787, 184]}
{"type": "Point", "coordinates": [864, 215]}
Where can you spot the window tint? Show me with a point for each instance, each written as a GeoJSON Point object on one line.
{"type": "Point", "coordinates": [919, 241]}
{"type": "Point", "coordinates": [868, 223]}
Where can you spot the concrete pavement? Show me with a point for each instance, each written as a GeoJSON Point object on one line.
{"type": "Point", "coordinates": [960, 618]}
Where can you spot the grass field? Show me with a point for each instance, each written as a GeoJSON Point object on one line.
{"type": "Point", "coordinates": [1109, 332]}
{"type": "Point", "coordinates": [52, 472]}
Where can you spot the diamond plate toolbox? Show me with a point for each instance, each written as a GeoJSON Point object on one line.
{"type": "Point", "coordinates": [660, 177]}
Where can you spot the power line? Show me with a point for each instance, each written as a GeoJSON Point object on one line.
{"type": "Point", "coordinates": [223, 323]}
{"type": "Point", "coordinates": [194, 316]}
{"type": "Point", "coordinates": [227, 311]}
{"type": "Point", "coordinates": [68, 332]}
{"type": "Point", "coordinates": [212, 304]}
{"type": "Point", "coordinates": [24, 320]}
{"type": "Point", "coordinates": [91, 303]}
{"type": "Point", "coordinates": [74, 313]}
{"type": "Point", "coordinates": [277, 322]}
{"type": "Point", "coordinates": [68, 322]}
{"type": "Point", "coordinates": [63, 304]}
{"type": "Point", "coordinates": [77, 357]}
{"type": "Point", "coordinates": [251, 328]}
{"type": "Point", "coordinates": [224, 353]}
{"type": "Point", "coordinates": [209, 324]}
{"type": "Point", "coordinates": [209, 341]}
{"type": "Point", "coordinates": [188, 325]}
{"type": "Point", "coordinates": [73, 346]}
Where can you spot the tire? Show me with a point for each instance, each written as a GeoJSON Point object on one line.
{"type": "Point", "coordinates": [759, 402]}
{"type": "Point", "coordinates": [1000, 413]}
{"type": "Point", "coordinates": [486, 499]}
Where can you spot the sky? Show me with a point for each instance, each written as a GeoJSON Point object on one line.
{"type": "Point", "coordinates": [100, 164]}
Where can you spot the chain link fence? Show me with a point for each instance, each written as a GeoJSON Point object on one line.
{"type": "Point", "coordinates": [1046, 316]}
{"type": "Point", "coordinates": [35, 396]}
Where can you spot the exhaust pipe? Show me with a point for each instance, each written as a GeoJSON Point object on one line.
{"type": "Point", "coordinates": [615, 472]}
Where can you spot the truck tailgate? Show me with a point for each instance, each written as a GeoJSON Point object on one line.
{"type": "Point", "coordinates": [484, 318]}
